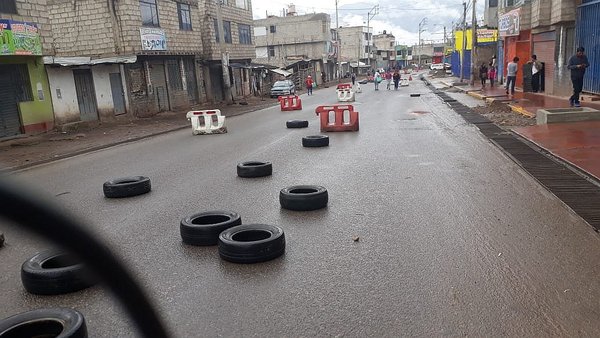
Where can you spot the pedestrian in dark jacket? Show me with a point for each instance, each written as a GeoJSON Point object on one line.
{"type": "Point", "coordinates": [483, 73]}
{"type": "Point", "coordinates": [396, 78]}
{"type": "Point", "coordinates": [577, 64]}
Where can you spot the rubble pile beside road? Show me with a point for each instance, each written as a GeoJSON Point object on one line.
{"type": "Point", "coordinates": [502, 115]}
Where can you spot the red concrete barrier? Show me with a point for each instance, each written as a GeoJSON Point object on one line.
{"type": "Point", "coordinates": [344, 86]}
{"type": "Point", "coordinates": [290, 102]}
{"type": "Point", "coordinates": [338, 124]}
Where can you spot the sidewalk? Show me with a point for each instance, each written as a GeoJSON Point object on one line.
{"type": "Point", "coordinates": [577, 143]}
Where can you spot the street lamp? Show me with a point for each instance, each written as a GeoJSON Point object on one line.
{"type": "Point", "coordinates": [421, 30]}
{"type": "Point", "coordinates": [374, 11]}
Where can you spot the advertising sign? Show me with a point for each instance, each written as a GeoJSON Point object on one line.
{"type": "Point", "coordinates": [19, 38]}
{"type": "Point", "coordinates": [509, 23]}
{"type": "Point", "coordinates": [153, 39]}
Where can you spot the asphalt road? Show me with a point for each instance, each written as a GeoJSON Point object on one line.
{"type": "Point", "coordinates": [455, 239]}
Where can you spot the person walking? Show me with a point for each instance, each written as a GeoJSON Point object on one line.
{"type": "Point", "coordinates": [377, 79]}
{"type": "Point", "coordinates": [309, 84]}
{"type": "Point", "coordinates": [536, 68]}
{"type": "Point", "coordinates": [492, 75]}
{"type": "Point", "coordinates": [577, 64]}
{"type": "Point", "coordinates": [388, 79]}
{"type": "Point", "coordinates": [353, 77]}
{"type": "Point", "coordinates": [483, 74]}
{"type": "Point", "coordinates": [323, 78]}
{"type": "Point", "coordinates": [396, 78]}
{"type": "Point", "coordinates": [511, 75]}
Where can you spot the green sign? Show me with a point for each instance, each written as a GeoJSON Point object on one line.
{"type": "Point", "coordinates": [19, 38]}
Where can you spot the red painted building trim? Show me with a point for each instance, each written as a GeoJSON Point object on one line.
{"type": "Point", "coordinates": [38, 128]}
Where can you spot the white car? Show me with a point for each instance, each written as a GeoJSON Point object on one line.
{"type": "Point", "coordinates": [437, 66]}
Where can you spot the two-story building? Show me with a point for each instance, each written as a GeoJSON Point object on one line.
{"type": "Point", "coordinates": [298, 42]}
{"type": "Point", "coordinates": [25, 35]}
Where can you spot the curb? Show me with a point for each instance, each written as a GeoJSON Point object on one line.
{"type": "Point", "coordinates": [477, 95]}
{"type": "Point", "coordinates": [521, 110]}
{"type": "Point", "coordinates": [112, 144]}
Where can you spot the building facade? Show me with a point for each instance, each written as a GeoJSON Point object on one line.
{"type": "Point", "coordinates": [384, 46]}
{"type": "Point", "coordinates": [25, 36]}
{"type": "Point", "coordinates": [543, 28]}
{"type": "Point", "coordinates": [355, 43]}
{"type": "Point", "coordinates": [285, 41]}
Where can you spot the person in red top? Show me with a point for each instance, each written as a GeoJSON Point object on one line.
{"type": "Point", "coordinates": [388, 78]}
{"type": "Point", "coordinates": [309, 84]}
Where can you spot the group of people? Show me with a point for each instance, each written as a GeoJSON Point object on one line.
{"type": "Point", "coordinates": [388, 76]}
{"type": "Point", "coordinates": [578, 63]}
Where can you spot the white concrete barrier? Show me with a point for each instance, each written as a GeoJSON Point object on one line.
{"type": "Point", "coordinates": [356, 88]}
{"type": "Point", "coordinates": [345, 95]}
{"type": "Point", "coordinates": [403, 82]}
{"type": "Point", "coordinates": [207, 122]}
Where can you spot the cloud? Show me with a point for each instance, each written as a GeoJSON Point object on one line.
{"type": "Point", "coordinates": [401, 18]}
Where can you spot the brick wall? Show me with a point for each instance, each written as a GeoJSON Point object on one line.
{"type": "Point", "coordinates": [178, 41]}
{"type": "Point", "coordinates": [34, 11]}
{"type": "Point", "coordinates": [235, 15]}
{"type": "Point", "coordinates": [563, 10]}
{"type": "Point", "coordinates": [81, 28]}
{"type": "Point", "coordinates": [540, 12]}
{"type": "Point", "coordinates": [294, 29]}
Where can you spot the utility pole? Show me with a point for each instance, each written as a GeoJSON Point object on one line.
{"type": "Point", "coordinates": [224, 55]}
{"type": "Point", "coordinates": [464, 43]}
{"type": "Point", "coordinates": [374, 11]}
{"type": "Point", "coordinates": [421, 30]}
{"type": "Point", "coordinates": [338, 56]}
{"type": "Point", "coordinates": [474, 44]}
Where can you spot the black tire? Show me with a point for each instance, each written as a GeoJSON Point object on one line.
{"type": "Point", "coordinates": [303, 197]}
{"type": "Point", "coordinates": [127, 187]}
{"type": "Point", "coordinates": [296, 124]}
{"type": "Point", "coordinates": [315, 141]}
{"type": "Point", "coordinates": [415, 95]}
{"type": "Point", "coordinates": [53, 322]}
{"type": "Point", "coordinates": [55, 272]}
{"type": "Point", "coordinates": [254, 169]}
{"type": "Point", "coordinates": [251, 243]}
{"type": "Point", "coordinates": [204, 228]}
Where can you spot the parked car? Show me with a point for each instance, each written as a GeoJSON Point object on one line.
{"type": "Point", "coordinates": [283, 87]}
{"type": "Point", "coordinates": [437, 66]}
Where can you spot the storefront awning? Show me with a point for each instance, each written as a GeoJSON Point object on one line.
{"type": "Point", "coordinates": [85, 60]}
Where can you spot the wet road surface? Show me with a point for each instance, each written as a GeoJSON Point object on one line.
{"type": "Point", "coordinates": [455, 239]}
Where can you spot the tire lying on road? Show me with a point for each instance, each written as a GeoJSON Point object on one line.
{"type": "Point", "coordinates": [297, 124]}
{"type": "Point", "coordinates": [303, 197]}
{"type": "Point", "coordinates": [251, 243]}
{"type": "Point", "coordinates": [204, 228]}
{"type": "Point", "coordinates": [54, 272]}
{"type": "Point", "coordinates": [315, 141]}
{"type": "Point", "coordinates": [52, 322]}
{"type": "Point", "coordinates": [415, 95]}
{"type": "Point", "coordinates": [127, 187]}
{"type": "Point", "coordinates": [254, 169]}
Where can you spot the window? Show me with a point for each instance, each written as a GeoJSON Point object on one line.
{"type": "Point", "coordinates": [241, 4]}
{"type": "Point", "coordinates": [271, 51]}
{"type": "Point", "coordinates": [174, 75]}
{"type": "Point", "coordinates": [149, 13]}
{"type": "Point", "coordinates": [272, 29]}
{"type": "Point", "coordinates": [185, 17]}
{"type": "Point", "coordinates": [245, 36]}
{"type": "Point", "coordinates": [216, 30]}
{"type": "Point", "coordinates": [493, 3]}
{"type": "Point", "coordinates": [8, 6]}
{"type": "Point", "coordinates": [227, 31]}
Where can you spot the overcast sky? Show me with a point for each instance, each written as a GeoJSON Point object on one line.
{"type": "Point", "coordinates": [400, 17]}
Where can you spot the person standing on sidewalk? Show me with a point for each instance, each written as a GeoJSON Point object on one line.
{"type": "Point", "coordinates": [309, 84]}
{"type": "Point", "coordinates": [323, 78]}
{"type": "Point", "coordinates": [377, 79]}
{"type": "Point", "coordinates": [492, 75]}
{"type": "Point", "coordinates": [536, 68]}
{"type": "Point", "coordinates": [577, 64]}
{"type": "Point", "coordinates": [511, 75]}
{"type": "Point", "coordinates": [483, 74]}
